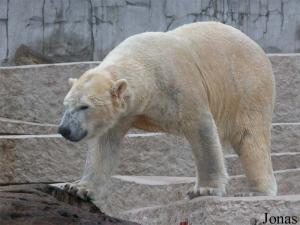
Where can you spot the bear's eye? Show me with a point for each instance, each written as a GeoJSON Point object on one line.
{"type": "Point", "coordinates": [83, 107]}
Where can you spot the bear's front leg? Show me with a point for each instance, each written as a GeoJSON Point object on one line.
{"type": "Point", "coordinates": [102, 160]}
{"type": "Point", "coordinates": [84, 187]}
{"type": "Point", "coordinates": [211, 175]}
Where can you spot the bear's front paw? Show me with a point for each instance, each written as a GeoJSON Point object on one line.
{"type": "Point", "coordinates": [205, 191]}
{"type": "Point", "coordinates": [79, 189]}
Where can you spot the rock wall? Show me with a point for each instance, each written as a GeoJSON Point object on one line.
{"type": "Point", "coordinates": [85, 30]}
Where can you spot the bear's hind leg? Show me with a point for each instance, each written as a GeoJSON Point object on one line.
{"type": "Point", "coordinates": [253, 149]}
{"type": "Point", "coordinates": [207, 150]}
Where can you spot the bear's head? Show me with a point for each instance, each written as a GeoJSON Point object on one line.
{"type": "Point", "coordinates": [94, 104]}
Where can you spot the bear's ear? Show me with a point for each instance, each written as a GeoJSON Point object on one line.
{"type": "Point", "coordinates": [119, 87]}
{"type": "Point", "coordinates": [72, 81]}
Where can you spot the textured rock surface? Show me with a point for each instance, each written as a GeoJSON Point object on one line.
{"type": "Point", "coordinates": [127, 193]}
{"type": "Point", "coordinates": [44, 205]}
{"type": "Point", "coordinates": [36, 93]}
{"type": "Point", "coordinates": [287, 76]}
{"type": "Point", "coordinates": [40, 159]}
{"type": "Point", "coordinates": [285, 137]}
{"type": "Point", "coordinates": [87, 30]}
{"type": "Point", "coordinates": [218, 211]}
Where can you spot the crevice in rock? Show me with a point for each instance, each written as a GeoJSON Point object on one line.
{"type": "Point", "coordinates": [267, 21]}
{"type": "Point", "coordinates": [92, 22]}
{"type": "Point", "coordinates": [282, 14]}
{"type": "Point", "coordinates": [172, 19]}
{"type": "Point", "coordinates": [138, 4]}
{"type": "Point", "coordinates": [7, 40]}
{"type": "Point", "coordinates": [43, 24]}
{"type": "Point", "coordinates": [68, 8]}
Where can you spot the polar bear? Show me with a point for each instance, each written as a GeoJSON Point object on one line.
{"type": "Point", "coordinates": [206, 81]}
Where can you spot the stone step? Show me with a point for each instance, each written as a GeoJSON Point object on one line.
{"type": "Point", "coordinates": [9, 126]}
{"type": "Point", "coordinates": [221, 211]}
{"type": "Point", "coordinates": [281, 161]}
{"type": "Point", "coordinates": [50, 158]}
{"type": "Point", "coordinates": [39, 158]}
{"type": "Point", "coordinates": [287, 77]}
{"type": "Point", "coordinates": [144, 155]}
{"type": "Point", "coordinates": [132, 192]}
{"type": "Point", "coordinates": [36, 92]}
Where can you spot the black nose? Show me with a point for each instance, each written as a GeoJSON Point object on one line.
{"type": "Point", "coordinates": [64, 131]}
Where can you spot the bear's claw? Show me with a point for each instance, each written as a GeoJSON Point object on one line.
{"type": "Point", "coordinates": [249, 194]}
{"type": "Point", "coordinates": [80, 190]}
{"type": "Point", "coordinates": [205, 192]}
